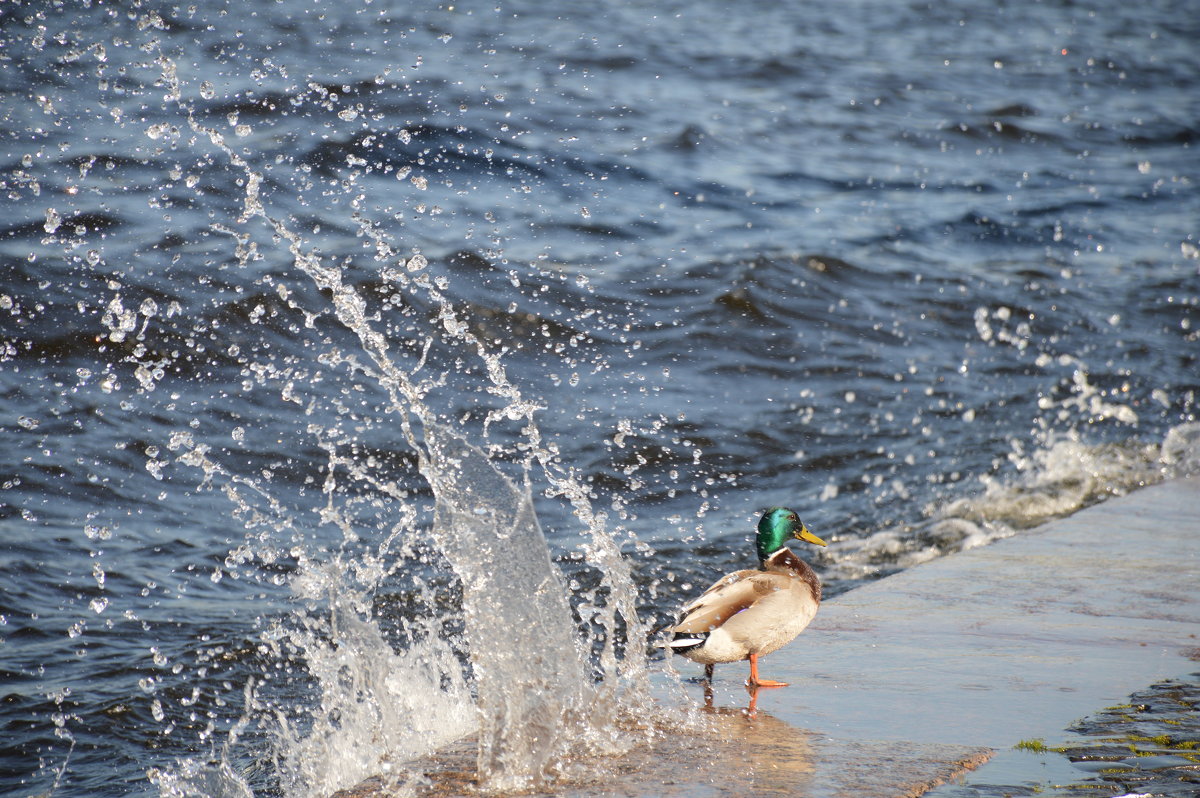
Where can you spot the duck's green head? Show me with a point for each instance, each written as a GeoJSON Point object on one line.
{"type": "Point", "coordinates": [779, 525]}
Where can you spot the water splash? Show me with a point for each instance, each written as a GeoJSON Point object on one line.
{"type": "Point", "coordinates": [192, 778]}
{"type": "Point", "coordinates": [527, 660]}
{"type": "Point", "coordinates": [535, 701]}
{"type": "Point", "coordinates": [378, 708]}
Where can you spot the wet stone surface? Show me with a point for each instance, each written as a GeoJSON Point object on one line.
{"type": "Point", "coordinates": [1149, 746]}
{"type": "Point", "coordinates": [725, 752]}
{"type": "Point", "coordinates": [965, 677]}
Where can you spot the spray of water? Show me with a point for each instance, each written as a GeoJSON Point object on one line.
{"type": "Point", "coordinates": [535, 702]}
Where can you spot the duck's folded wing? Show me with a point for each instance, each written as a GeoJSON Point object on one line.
{"type": "Point", "coordinates": [734, 593]}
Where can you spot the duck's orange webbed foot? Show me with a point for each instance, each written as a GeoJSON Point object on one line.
{"type": "Point", "coordinates": [754, 682]}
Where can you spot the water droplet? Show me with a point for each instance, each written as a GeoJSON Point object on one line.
{"type": "Point", "coordinates": [144, 376]}
{"type": "Point", "coordinates": [97, 532]}
{"type": "Point", "coordinates": [207, 91]}
{"type": "Point", "coordinates": [53, 220]}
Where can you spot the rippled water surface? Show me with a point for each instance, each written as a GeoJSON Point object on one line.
{"type": "Point", "coordinates": [927, 273]}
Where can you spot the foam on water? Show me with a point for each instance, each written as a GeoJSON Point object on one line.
{"type": "Point", "coordinates": [1053, 481]}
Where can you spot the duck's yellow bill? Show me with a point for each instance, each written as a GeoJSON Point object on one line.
{"type": "Point", "coordinates": [809, 537]}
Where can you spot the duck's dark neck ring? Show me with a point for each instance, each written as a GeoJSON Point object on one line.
{"type": "Point", "coordinates": [782, 558]}
{"type": "Point", "coordinates": [785, 560]}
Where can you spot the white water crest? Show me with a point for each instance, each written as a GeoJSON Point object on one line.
{"type": "Point", "coordinates": [1053, 481]}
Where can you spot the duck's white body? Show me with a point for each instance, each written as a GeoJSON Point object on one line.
{"type": "Point", "coordinates": [749, 612]}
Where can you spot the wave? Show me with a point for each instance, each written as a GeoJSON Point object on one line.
{"type": "Point", "coordinates": [1055, 481]}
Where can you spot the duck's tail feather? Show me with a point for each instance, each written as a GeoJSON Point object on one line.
{"type": "Point", "coordinates": [683, 643]}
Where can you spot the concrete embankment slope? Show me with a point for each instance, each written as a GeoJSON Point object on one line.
{"type": "Point", "coordinates": [902, 682]}
{"type": "Point", "coordinates": [912, 680]}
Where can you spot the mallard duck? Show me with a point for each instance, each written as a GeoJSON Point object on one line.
{"type": "Point", "coordinates": [748, 614]}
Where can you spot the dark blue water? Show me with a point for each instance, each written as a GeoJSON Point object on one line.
{"type": "Point", "coordinates": [926, 273]}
